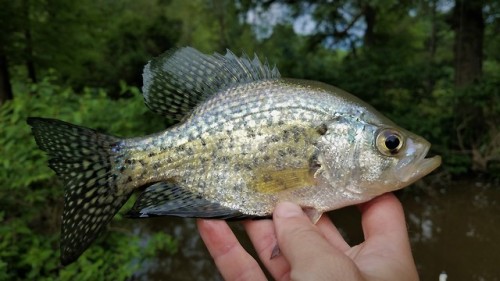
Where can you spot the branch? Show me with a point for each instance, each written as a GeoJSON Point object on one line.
{"type": "Point", "coordinates": [343, 33]}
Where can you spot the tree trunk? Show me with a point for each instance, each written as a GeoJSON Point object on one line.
{"type": "Point", "coordinates": [30, 63]}
{"type": "Point", "coordinates": [370, 15]}
{"type": "Point", "coordinates": [468, 25]}
{"type": "Point", "coordinates": [432, 43]}
{"type": "Point", "coordinates": [28, 49]}
{"type": "Point", "coordinates": [5, 86]}
{"type": "Point", "coordinates": [220, 11]}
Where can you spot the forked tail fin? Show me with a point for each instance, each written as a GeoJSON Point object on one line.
{"type": "Point", "coordinates": [84, 160]}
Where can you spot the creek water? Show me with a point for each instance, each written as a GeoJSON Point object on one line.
{"type": "Point", "coordinates": [454, 231]}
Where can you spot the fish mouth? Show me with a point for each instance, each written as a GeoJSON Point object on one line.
{"type": "Point", "coordinates": [425, 164]}
{"type": "Point", "coordinates": [416, 168]}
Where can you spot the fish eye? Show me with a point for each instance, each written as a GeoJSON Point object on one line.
{"type": "Point", "coordinates": [389, 142]}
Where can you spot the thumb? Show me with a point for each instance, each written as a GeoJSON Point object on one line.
{"type": "Point", "coordinates": [305, 248]}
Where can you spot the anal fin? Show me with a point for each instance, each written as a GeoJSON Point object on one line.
{"type": "Point", "coordinates": [168, 199]}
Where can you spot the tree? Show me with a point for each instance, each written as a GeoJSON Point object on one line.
{"type": "Point", "coordinates": [7, 23]}
{"type": "Point", "coordinates": [5, 86]}
{"type": "Point", "coordinates": [468, 26]}
{"type": "Point", "coordinates": [474, 132]}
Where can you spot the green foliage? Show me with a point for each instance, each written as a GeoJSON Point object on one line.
{"type": "Point", "coordinates": [89, 43]}
{"type": "Point", "coordinates": [161, 243]}
{"type": "Point", "coordinates": [30, 195]}
{"type": "Point", "coordinates": [405, 69]}
{"type": "Point", "coordinates": [401, 62]}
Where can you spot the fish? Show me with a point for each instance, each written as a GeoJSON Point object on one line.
{"type": "Point", "coordinates": [245, 140]}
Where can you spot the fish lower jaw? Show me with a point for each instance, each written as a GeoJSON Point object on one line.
{"type": "Point", "coordinates": [420, 168]}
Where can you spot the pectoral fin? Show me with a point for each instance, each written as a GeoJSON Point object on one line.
{"type": "Point", "coordinates": [313, 214]}
{"type": "Point", "coordinates": [274, 181]}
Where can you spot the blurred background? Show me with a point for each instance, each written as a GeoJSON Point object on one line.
{"type": "Point", "coordinates": [432, 66]}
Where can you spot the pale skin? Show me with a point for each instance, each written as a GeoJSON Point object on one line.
{"type": "Point", "coordinates": [316, 252]}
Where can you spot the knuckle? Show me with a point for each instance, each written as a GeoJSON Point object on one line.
{"type": "Point", "coordinates": [307, 236]}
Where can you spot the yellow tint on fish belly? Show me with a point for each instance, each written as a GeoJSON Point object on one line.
{"type": "Point", "coordinates": [270, 182]}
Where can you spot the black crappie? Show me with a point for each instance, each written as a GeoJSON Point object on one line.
{"type": "Point", "coordinates": [248, 139]}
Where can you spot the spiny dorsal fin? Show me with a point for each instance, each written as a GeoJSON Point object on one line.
{"type": "Point", "coordinates": [175, 82]}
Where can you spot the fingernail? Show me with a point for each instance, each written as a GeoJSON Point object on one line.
{"type": "Point", "coordinates": [288, 210]}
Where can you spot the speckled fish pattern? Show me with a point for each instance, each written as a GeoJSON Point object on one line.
{"type": "Point", "coordinates": [246, 139]}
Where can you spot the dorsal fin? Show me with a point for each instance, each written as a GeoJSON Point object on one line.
{"type": "Point", "coordinates": [175, 82]}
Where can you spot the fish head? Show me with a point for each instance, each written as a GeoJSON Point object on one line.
{"type": "Point", "coordinates": [361, 160]}
{"type": "Point", "coordinates": [402, 157]}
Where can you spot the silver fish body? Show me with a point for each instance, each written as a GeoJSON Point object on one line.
{"type": "Point", "coordinates": [248, 140]}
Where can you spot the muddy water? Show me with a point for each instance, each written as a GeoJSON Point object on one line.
{"type": "Point", "coordinates": [454, 231]}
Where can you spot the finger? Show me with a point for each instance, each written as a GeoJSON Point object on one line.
{"type": "Point", "coordinates": [384, 217]}
{"type": "Point", "coordinates": [307, 250]}
{"type": "Point", "coordinates": [331, 233]}
{"type": "Point", "coordinates": [386, 236]}
{"type": "Point", "coordinates": [230, 258]}
{"type": "Point", "coordinates": [263, 237]}
{"type": "Point", "coordinates": [384, 227]}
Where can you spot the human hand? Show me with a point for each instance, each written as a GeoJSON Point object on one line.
{"type": "Point", "coordinates": [316, 252]}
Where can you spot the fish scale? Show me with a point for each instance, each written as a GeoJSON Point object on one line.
{"type": "Point", "coordinates": [246, 139]}
{"type": "Point", "coordinates": [241, 154]}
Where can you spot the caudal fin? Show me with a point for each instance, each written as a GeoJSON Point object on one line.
{"type": "Point", "coordinates": [83, 159]}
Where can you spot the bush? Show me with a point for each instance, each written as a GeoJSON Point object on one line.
{"type": "Point", "coordinates": [31, 196]}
